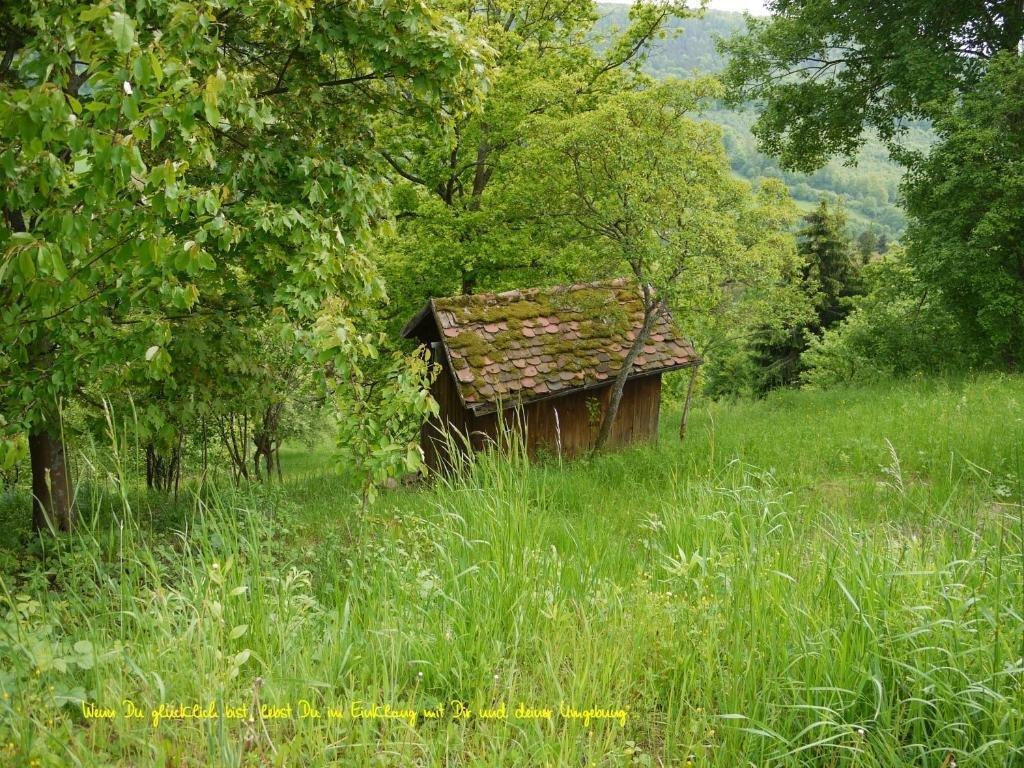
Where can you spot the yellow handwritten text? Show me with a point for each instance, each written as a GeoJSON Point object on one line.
{"type": "Point", "coordinates": [361, 710]}
{"type": "Point", "coordinates": [595, 713]}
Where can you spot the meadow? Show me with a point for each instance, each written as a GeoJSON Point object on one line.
{"type": "Point", "coordinates": [814, 579]}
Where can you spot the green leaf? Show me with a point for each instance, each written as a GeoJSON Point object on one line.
{"type": "Point", "coordinates": [94, 12]}
{"type": "Point", "coordinates": [59, 270]}
{"type": "Point", "coordinates": [211, 96]}
{"type": "Point", "coordinates": [238, 631]}
{"type": "Point", "coordinates": [122, 29]}
{"type": "Point", "coordinates": [76, 696]}
{"type": "Point", "coordinates": [86, 654]}
{"type": "Point", "coordinates": [26, 264]}
{"type": "Point", "coordinates": [413, 457]}
{"type": "Point", "coordinates": [151, 353]}
{"type": "Point", "coordinates": [158, 71]}
{"type": "Point", "coordinates": [157, 131]}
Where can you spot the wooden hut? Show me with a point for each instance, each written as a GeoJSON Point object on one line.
{"type": "Point", "coordinates": [545, 358]}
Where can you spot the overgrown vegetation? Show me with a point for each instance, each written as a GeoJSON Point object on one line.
{"type": "Point", "coordinates": [870, 188]}
{"type": "Point", "coordinates": [818, 578]}
{"type": "Point", "coordinates": [828, 76]}
{"type": "Point", "coordinates": [215, 216]}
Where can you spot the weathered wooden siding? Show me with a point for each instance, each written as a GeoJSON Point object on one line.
{"type": "Point", "coordinates": [566, 425]}
{"type": "Point", "coordinates": [451, 417]}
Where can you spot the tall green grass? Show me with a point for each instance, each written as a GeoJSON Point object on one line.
{"type": "Point", "coordinates": [818, 579]}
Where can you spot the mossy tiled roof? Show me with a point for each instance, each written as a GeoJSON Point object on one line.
{"type": "Point", "coordinates": [526, 345]}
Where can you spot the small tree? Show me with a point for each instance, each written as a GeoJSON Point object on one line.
{"type": "Point", "coordinates": [763, 294]}
{"type": "Point", "coordinates": [965, 238]}
{"type": "Point", "coordinates": [163, 160]}
{"type": "Point", "coordinates": [651, 190]}
{"type": "Point", "coordinates": [381, 400]}
{"type": "Point", "coordinates": [454, 233]}
{"type": "Point", "coordinates": [829, 279]}
{"type": "Point", "coordinates": [867, 243]}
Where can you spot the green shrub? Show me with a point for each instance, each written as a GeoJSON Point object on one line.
{"type": "Point", "coordinates": [898, 329]}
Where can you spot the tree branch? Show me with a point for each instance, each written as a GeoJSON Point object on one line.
{"type": "Point", "coordinates": [402, 172]}
{"type": "Point", "coordinates": [281, 88]}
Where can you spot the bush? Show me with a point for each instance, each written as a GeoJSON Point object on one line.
{"type": "Point", "coordinates": [897, 329]}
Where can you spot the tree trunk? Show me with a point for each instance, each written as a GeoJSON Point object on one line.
{"type": "Point", "coordinates": [684, 422]}
{"type": "Point", "coordinates": [52, 502]}
{"type": "Point", "coordinates": [481, 175]}
{"type": "Point", "coordinates": [619, 384]}
{"type": "Point", "coordinates": [234, 430]}
{"type": "Point", "coordinates": [265, 438]}
{"type": "Point", "coordinates": [163, 472]}
{"type": "Point", "coordinates": [178, 451]}
{"type": "Point", "coordinates": [206, 446]}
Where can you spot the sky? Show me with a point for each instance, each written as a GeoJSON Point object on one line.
{"type": "Point", "coordinates": [755, 7]}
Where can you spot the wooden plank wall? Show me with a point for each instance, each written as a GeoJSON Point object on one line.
{"type": "Point", "coordinates": [565, 426]}
{"type": "Point", "coordinates": [451, 417]}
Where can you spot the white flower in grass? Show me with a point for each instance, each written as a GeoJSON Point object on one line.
{"type": "Point", "coordinates": [127, 88]}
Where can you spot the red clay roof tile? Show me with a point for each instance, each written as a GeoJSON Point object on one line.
{"type": "Point", "coordinates": [521, 345]}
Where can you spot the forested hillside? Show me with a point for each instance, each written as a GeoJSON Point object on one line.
{"type": "Point", "coordinates": [870, 190]}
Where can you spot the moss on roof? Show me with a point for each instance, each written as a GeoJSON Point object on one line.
{"type": "Point", "coordinates": [525, 344]}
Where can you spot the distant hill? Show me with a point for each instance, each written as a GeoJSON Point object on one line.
{"type": "Point", "coordinates": [870, 189]}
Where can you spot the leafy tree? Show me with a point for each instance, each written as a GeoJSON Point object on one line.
{"type": "Point", "coordinates": [829, 278]}
{"type": "Point", "coordinates": [382, 398]}
{"type": "Point", "coordinates": [688, 49]}
{"type": "Point", "coordinates": [830, 72]}
{"type": "Point", "coordinates": [867, 243]}
{"type": "Point", "coordinates": [897, 328]}
{"type": "Point", "coordinates": [966, 239]}
{"type": "Point", "coordinates": [649, 189]}
{"type": "Point", "coordinates": [456, 231]}
{"type": "Point", "coordinates": [161, 161]}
